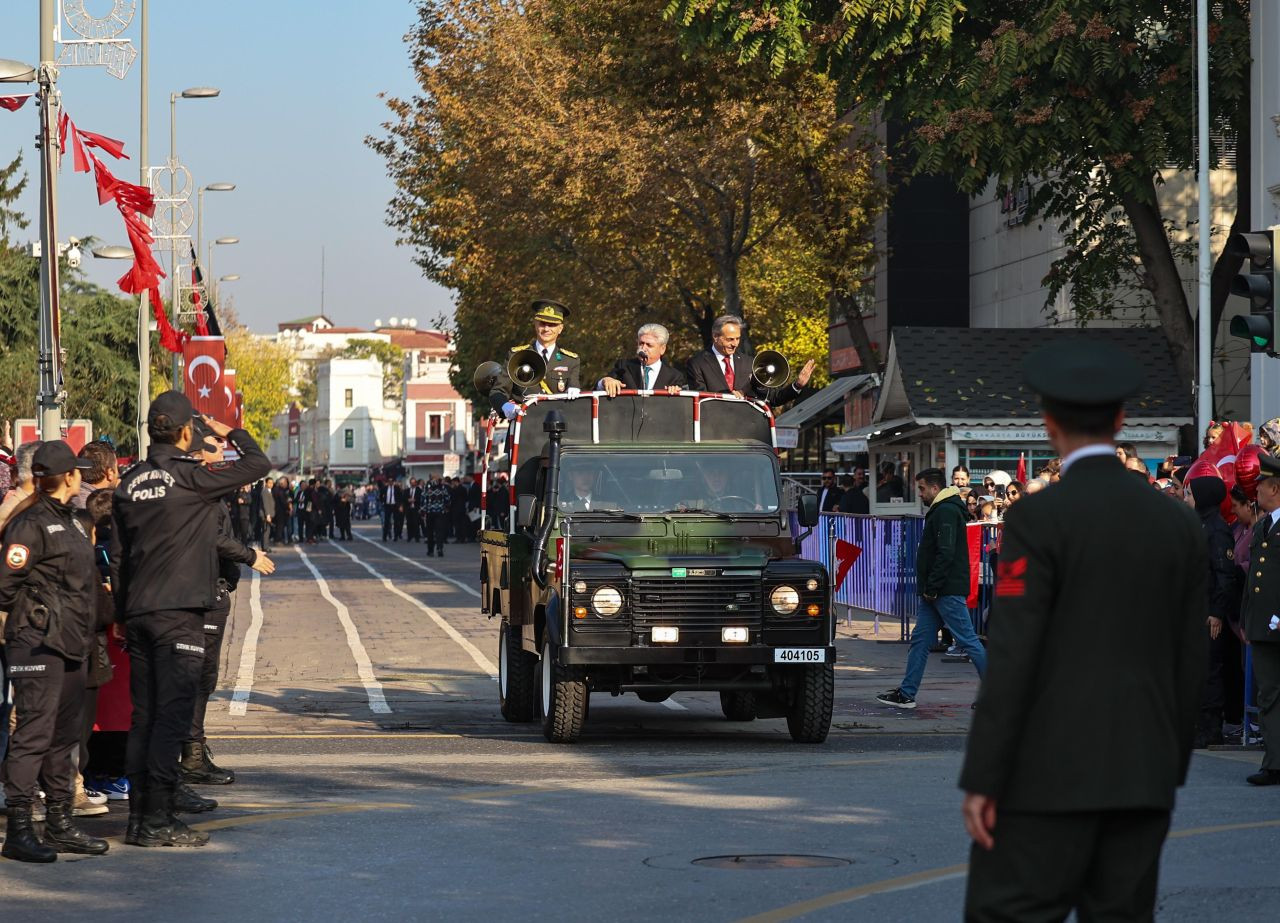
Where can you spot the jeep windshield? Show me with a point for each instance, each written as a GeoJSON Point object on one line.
{"type": "Point", "coordinates": [686, 482]}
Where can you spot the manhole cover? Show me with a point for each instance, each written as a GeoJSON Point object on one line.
{"type": "Point", "coordinates": [773, 861]}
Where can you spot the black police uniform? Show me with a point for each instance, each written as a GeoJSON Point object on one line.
{"type": "Point", "coordinates": [1224, 601]}
{"type": "Point", "coordinates": [1261, 619]}
{"type": "Point", "coordinates": [1097, 649]}
{"type": "Point", "coordinates": [49, 587]}
{"type": "Point", "coordinates": [196, 766]}
{"type": "Point", "coordinates": [164, 564]}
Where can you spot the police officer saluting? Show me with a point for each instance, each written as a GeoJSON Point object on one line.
{"type": "Point", "coordinates": [164, 565]}
{"type": "Point", "coordinates": [48, 585]}
{"type": "Point", "coordinates": [563, 366]}
{"type": "Point", "coordinates": [1097, 652]}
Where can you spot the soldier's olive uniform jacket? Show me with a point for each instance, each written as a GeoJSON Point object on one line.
{"type": "Point", "coordinates": [1262, 594]}
{"type": "Point", "coordinates": [1097, 648]}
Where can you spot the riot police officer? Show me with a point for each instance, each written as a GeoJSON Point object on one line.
{"type": "Point", "coordinates": [48, 585]}
{"type": "Point", "coordinates": [164, 568]}
{"type": "Point", "coordinates": [563, 366]}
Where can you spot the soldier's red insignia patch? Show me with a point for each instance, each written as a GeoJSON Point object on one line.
{"type": "Point", "coordinates": [1011, 577]}
{"type": "Point", "coordinates": [17, 556]}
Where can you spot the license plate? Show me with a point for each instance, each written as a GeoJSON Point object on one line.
{"type": "Point", "coordinates": [799, 655]}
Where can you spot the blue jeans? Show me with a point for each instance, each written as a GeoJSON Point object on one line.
{"type": "Point", "coordinates": [952, 612]}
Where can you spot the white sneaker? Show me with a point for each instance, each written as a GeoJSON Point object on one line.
{"type": "Point", "coordinates": [94, 797]}
{"type": "Point", "coordinates": [83, 807]}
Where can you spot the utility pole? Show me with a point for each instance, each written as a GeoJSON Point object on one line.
{"type": "Point", "coordinates": [50, 395]}
{"type": "Point", "coordinates": [144, 303]}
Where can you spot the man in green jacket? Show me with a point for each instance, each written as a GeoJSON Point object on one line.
{"type": "Point", "coordinates": [942, 578]}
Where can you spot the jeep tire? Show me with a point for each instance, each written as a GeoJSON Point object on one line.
{"type": "Point", "coordinates": [562, 699]}
{"type": "Point", "coordinates": [738, 706]}
{"type": "Point", "coordinates": [813, 693]}
{"type": "Point", "coordinates": [517, 676]}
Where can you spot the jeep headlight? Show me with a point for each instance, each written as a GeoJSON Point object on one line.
{"type": "Point", "coordinates": [607, 601]}
{"type": "Point", "coordinates": [784, 599]}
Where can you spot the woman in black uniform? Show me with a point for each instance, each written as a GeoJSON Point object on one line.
{"type": "Point", "coordinates": [48, 585]}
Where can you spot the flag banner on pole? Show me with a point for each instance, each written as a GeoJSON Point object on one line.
{"type": "Point", "coordinates": [204, 362]}
{"type": "Point", "coordinates": [14, 103]}
{"type": "Point", "coordinates": [229, 397]}
{"type": "Point", "coordinates": [206, 317]}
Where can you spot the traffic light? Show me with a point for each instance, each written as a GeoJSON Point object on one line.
{"type": "Point", "coordinates": [1259, 285]}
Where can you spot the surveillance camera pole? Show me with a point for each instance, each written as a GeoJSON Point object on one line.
{"type": "Point", "coordinates": [50, 397]}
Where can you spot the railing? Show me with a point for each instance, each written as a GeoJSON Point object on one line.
{"type": "Point", "coordinates": [883, 578]}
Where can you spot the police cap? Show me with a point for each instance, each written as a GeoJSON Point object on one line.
{"type": "Point", "coordinates": [1268, 466]}
{"type": "Point", "coordinates": [55, 457]}
{"type": "Point", "coordinates": [172, 404]}
{"type": "Point", "coordinates": [552, 311]}
{"type": "Point", "coordinates": [1083, 373]}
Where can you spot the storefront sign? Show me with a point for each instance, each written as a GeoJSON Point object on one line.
{"type": "Point", "coordinates": [1005, 434]}
{"type": "Point", "coordinates": [787, 437]}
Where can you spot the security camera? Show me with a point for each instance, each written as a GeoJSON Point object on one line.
{"type": "Point", "coordinates": [73, 256]}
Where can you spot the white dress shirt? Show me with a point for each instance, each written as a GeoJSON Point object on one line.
{"type": "Point", "coordinates": [1086, 451]}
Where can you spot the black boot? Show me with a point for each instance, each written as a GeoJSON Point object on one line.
{"type": "Point", "coordinates": [20, 840]}
{"type": "Point", "coordinates": [159, 827]}
{"type": "Point", "coordinates": [187, 801]}
{"type": "Point", "coordinates": [62, 834]}
{"type": "Point", "coordinates": [198, 767]}
{"type": "Point", "coordinates": [137, 806]}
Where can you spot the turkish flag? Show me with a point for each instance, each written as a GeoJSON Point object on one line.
{"type": "Point", "coordinates": [204, 359]}
{"type": "Point", "coordinates": [239, 410]}
{"type": "Point", "coordinates": [846, 554]}
{"type": "Point", "coordinates": [14, 103]}
{"type": "Point", "coordinates": [229, 398]}
{"type": "Point", "coordinates": [1022, 468]}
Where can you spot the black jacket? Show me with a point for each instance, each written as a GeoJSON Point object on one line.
{"type": "Point", "coordinates": [628, 371]}
{"type": "Point", "coordinates": [942, 563]}
{"type": "Point", "coordinates": [1262, 595]}
{"type": "Point", "coordinates": [1097, 648]}
{"type": "Point", "coordinates": [1224, 599]}
{"type": "Point", "coordinates": [707, 375]}
{"type": "Point", "coordinates": [231, 553]}
{"type": "Point", "coordinates": [49, 581]}
{"type": "Point", "coordinates": [164, 549]}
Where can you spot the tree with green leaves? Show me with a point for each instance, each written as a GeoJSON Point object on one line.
{"type": "Point", "coordinates": [10, 190]}
{"type": "Point", "coordinates": [1089, 101]}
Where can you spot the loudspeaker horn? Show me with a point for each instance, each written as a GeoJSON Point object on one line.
{"type": "Point", "coordinates": [526, 368]}
{"type": "Point", "coordinates": [486, 376]}
{"type": "Point", "coordinates": [770, 369]}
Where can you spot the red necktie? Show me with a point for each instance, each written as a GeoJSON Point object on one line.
{"type": "Point", "coordinates": [728, 371]}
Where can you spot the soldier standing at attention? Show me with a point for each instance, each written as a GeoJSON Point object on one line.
{"type": "Point", "coordinates": [563, 365]}
{"type": "Point", "coordinates": [1073, 759]}
{"type": "Point", "coordinates": [1261, 618]}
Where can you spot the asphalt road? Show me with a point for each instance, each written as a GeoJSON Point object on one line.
{"type": "Point", "coordinates": [378, 781]}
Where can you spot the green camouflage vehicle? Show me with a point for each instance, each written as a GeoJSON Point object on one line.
{"type": "Point", "coordinates": [648, 551]}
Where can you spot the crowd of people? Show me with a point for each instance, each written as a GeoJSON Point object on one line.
{"type": "Point", "coordinates": [433, 510]}
{"type": "Point", "coordinates": [112, 576]}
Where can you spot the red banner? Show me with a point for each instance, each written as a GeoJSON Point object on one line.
{"type": "Point", "coordinates": [204, 359]}
{"type": "Point", "coordinates": [14, 103]}
{"type": "Point", "coordinates": [229, 394]}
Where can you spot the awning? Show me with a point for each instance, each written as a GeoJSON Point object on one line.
{"type": "Point", "coordinates": [822, 401]}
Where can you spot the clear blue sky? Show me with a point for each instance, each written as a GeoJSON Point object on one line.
{"type": "Point", "coordinates": [300, 84]}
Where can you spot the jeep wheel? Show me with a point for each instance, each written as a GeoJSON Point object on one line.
{"type": "Point", "coordinates": [517, 684]}
{"type": "Point", "coordinates": [563, 700]}
{"type": "Point", "coordinates": [813, 693]}
{"type": "Point", "coordinates": [738, 706]}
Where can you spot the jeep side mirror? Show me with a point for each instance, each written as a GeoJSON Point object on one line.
{"type": "Point", "coordinates": [524, 509]}
{"type": "Point", "coordinates": [807, 512]}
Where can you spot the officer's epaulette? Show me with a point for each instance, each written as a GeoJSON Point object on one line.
{"type": "Point", "coordinates": [569, 353]}
{"type": "Point", "coordinates": [516, 349]}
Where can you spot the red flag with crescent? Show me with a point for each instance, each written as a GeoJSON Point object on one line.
{"type": "Point", "coordinates": [229, 398]}
{"type": "Point", "coordinates": [204, 361]}
{"type": "Point", "coordinates": [14, 103]}
{"type": "Point", "coordinates": [846, 554]}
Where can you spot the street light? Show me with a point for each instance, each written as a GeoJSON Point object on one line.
{"type": "Point", "coordinates": [234, 277]}
{"type": "Point", "coordinates": [112, 252]}
{"type": "Point", "coordinates": [189, 93]}
{"type": "Point", "coordinates": [222, 242]}
{"type": "Point", "coordinates": [16, 72]}
{"type": "Point", "coordinates": [212, 187]}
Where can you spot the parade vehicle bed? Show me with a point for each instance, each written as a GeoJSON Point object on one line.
{"type": "Point", "coordinates": [648, 551]}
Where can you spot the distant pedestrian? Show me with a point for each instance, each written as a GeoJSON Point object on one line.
{"type": "Point", "coordinates": [942, 580]}
{"type": "Point", "coordinates": [1084, 722]}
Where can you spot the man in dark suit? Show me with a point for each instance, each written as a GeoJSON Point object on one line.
{"type": "Point", "coordinates": [723, 370]}
{"type": "Point", "coordinates": [1260, 619]}
{"type": "Point", "coordinates": [853, 498]}
{"type": "Point", "coordinates": [646, 370]}
{"type": "Point", "coordinates": [1097, 651]}
{"type": "Point", "coordinates": [393, 500]}
{"type": "Point", "coordinates": [829, 493]}
{"type": "Point", "coordinates": [413, 510]}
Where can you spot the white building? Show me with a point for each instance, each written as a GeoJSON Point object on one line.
{"type": "Point", "coordinates": [351, 428]}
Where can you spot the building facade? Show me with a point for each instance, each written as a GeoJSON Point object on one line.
{"type": "Point", "coordinates": [439, 432]}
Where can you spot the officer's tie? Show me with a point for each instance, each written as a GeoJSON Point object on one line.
{"type": "Point", "coordinates": [647, 372]}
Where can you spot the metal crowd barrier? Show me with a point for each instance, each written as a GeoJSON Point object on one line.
{"type": "Point", "coordinates": [883, 579]}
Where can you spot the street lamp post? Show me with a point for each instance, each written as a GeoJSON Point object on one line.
{"type": "Point", "coordinates": [217, 287]}
{"type": "Point", "coordinates": [174, 287]}
{"type": "Point", "coordinates": [144, 179]}
{"type": "Point", "coordinates": [212, 187]}
{"type": "Point", "coordinates": [222, 242]}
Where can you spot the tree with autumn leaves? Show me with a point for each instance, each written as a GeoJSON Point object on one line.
{"type": "Point", "coordinates": [578, 149]}
{"type": "Point", "coordinates": [1090, 101]}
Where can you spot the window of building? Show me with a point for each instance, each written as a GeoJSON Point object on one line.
{"type": "Point", "coordinates": [435, 426]}
{"type": "Point", "coordinates": [348, 435]}
{"type": "Point", "coordinates": [348, 400]}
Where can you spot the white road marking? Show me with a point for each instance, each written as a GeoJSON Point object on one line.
{"type": "Point", "coordinates": [249, 652]}
{"type": "Point", "coordinates": [673, 705]}
{"type": "Point", "coordinates": [483, 662]}
{"type": "Point", "coordinates": [466, 588]}
{"type": "Point", "coordinates": [364, 668]}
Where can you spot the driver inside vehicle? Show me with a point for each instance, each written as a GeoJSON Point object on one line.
{"type": "Point", "coordinates": [718, 494]}
{"type": "Point", "coordinates": [580, 492]}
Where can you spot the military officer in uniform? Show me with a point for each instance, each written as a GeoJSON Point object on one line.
{"type": "Point", "coordinates": [1097, 651]}
{"type": "Point", "coordinates": [1261, 617]}
{"type": "Point", "coordinates": [563, 365]}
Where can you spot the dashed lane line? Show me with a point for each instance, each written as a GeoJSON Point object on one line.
{"type": "Point", "coordinates": [364, 667]}
{"type": "Point", "coordinates": [249, 652]}
{"type": "Point", "coordinates": [466, 588]}
{"type": "Point", "coordinates": [483, 662]}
